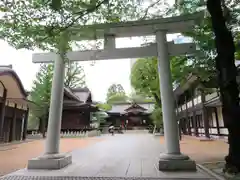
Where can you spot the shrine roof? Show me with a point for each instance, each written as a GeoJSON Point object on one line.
{"type": "Point", "coordinates": [135, 107]}
{"type": "Point", "coordinates": [11, 81]}
{"type": "Point", "coordinates": [16, 94]}
{"type": "Point", "coordinates": [78, 94]}
{"type": "Point", "coordinates": [121, 107]}
{"type": "Point", "coordinates": [84, 94]}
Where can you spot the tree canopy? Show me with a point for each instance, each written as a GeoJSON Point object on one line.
{"type": "Point", "coordinates": [144, 77]}
{"type": "Point", "coordinates": [37, 24]}
{"type": "Point", "coordinates": [116, 93]}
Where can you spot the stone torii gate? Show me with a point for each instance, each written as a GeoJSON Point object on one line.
{"type": "Point", "coordinates": [172, 159]}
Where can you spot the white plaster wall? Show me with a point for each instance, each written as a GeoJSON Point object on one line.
{"type": "Point", "coordinates": [119, 107]}
{"type": "Point", "coordinates": [192, 130]}
{"type": "Point", "coordinates": [148, 106]}
{"type": "Point", "coordinates": [223, 131]}
{"type": "Point", "coordinates": [214, 121]}
{"type": "Point", "coordinates": [211, 96]}
{"type": "Point", "coordinates": [220, 117]}
{"type": "Point", "coordinates": [213, 131]}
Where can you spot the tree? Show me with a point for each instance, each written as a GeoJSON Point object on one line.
{"type": "Point", "coordinates": [227, 73]}
{"type": "Point", "coordinates": [216, 36]}
{"type": "Point", "coordinates": [156, 116]}
{"type": "Point", "coordinates": [40, 94]}
{"type": "Point", "coordinates": [116, 93]}
{"type": "Point", "coordinates": [115, 89]}
{"type": "Point", "coordinates": [139, 97]}
{"type": "Point", "coordinates": [144, 78]}
{"type": "Point", "coordinates": [41, 90]}
{"type": "Point", "coordinates": [117, 98]}
{"type": "Point", "coordinates": [104, 106]}
{"type": "Point", "coordinates": [75, 76]}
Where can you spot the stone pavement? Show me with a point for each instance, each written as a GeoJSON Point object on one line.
{"type": "Point", "coordinates": [203, 151]}
{"type": "Point", "coordinates": [15, 156]}
{"type": "Point", "coordinates": [117, 157]}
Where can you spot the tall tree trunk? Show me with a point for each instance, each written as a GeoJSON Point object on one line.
{"type": "Point", "coordinates": [227, 72]}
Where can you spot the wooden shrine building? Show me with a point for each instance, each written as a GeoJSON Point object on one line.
{"type": "Point", "coordinates": [131, 115]}
{"type": "Point", "coordinates": [77, 109]}
{"type": "Point", "coordinates": [14, 106]}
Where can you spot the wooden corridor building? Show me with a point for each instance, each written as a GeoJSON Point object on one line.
{"type": "Point", "coordinates": [199, 113]}
{"type": "Point", "coordinates": [14, 106]}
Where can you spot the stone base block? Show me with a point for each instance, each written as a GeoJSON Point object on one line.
{"type": "Point", "coordinates": [176, 163]}
{"type": "Point", "coordinates": [50, 162]}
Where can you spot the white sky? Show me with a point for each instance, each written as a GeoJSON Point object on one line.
{"type": "Point", "coordinates": [98, 77]}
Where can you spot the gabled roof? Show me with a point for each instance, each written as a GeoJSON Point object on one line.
{"type": "Point", "coordinates": [129, 103]}
{"type": "Point", "coordinates": [77, 94]}
{"type": "Point", "coordinates": [71, 95]}
{"type": "Point", "coordinates": [121, 108]}
{"type": "Point", "coordinates": [135, 107]}
{"type": "Point", "coordinates": [8, 79]}
{"type": "Point", "coordinates": [16, 93]}
{"type": "Point", "coordinates": [84, 94]}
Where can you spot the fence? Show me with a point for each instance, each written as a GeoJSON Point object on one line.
{"type": "Point", "coordinates": [67, 134]}
{"type": "Point", "coordinates": [79, 134]}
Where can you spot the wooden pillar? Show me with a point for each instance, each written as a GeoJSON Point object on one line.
{"type": "Point", "coordinates": [217, 120]}
{"type": "Point", "coordinates": [205, 116]}
{"type": "Point", "coordinates": [2, 111]}
{"type": "Point", "coordinates": [188, 120]}
{"type": "Point", "coordinates": [194, 117]}
{"type": "Point", "coordinates": [179, 121]}
{"type": "Point", "coordinates": [25, 125]}
{"type": "Point", "coordinates": [12, 135]}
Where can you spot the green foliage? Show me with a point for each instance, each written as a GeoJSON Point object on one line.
{"type": "Point", "coordinates": [203, 62]}
{"type": "Point", "coordinates": [115, 89]}
{"type": "Point", "coordinates": [144, 77]}
{"type": "Point", "coordinates": [139, 98]}
{"type": "Point", "coordinates": [104, 106]}
{"type": "Point", "coordinates": [41, 91]}
{"type": "Point", "coordinates": [37, 24]}
{"type": "Point", "coordinates": [99, 116]}
{"type": "Point", "coordinates": [119, 97]}
{"type": "Point", "coordinates": [116, 93]}
{"type": "Point", "coordinates": [156, 116]}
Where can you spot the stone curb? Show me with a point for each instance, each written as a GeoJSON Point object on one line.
{"type": "Point", "coordinates": [218, 177]}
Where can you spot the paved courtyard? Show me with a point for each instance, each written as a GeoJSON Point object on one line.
{"type": "Point", "coordinates": [15, 156]}
{"type": "Point", "coordinates": [131, 155]}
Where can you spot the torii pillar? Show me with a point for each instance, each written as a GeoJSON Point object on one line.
{"type": "Point", "coordinates": [172, 160]}
{"type": "Point", "coordinates": [52, 158]}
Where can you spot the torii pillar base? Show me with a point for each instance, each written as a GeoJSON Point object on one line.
{"type": "Point", "coordinates": [179, 162]}
{"type": "Point", "coordinates": [50, 162]}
